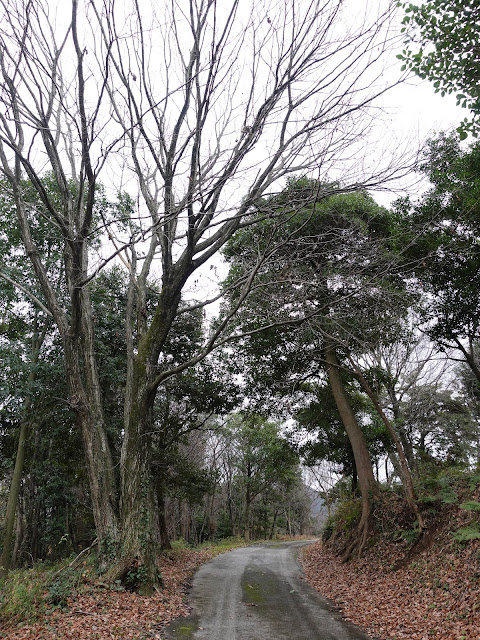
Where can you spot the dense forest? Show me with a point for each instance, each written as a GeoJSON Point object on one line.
{"type": "Point", "coordinates": [206, 317]}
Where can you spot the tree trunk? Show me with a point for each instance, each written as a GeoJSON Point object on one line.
{"type": "Point", "coordinates": [137, 549]}
{"type": "Point", "coordinates": [289, 522]}
{"type": "Point", "coordinates": [99, 452]}
{"type": "Point", "coordinates": [162, 521]}
{"type": "Point", "coordinates": [85, 398]}
{"type": "Point", "coordinates": [406, 444]}
{"type": "Point", "coordinates": [363, 463]}
{"type": "Point", "coordinates": [12, 501]}
{"type": "Point", "coordinates": [19, 533]}
{"type": "Point", "coordinates": [37, 342]}
{"type": "Point", "coordinates": [406, 476]}
{"type": "Point", "coordinates": [274, 522]}
{"type": "Point", "coordinates": [138, 514]}
{"type": "Point", "coordinates": [469, 357]}
{"type": "Point", "coordinates": [246, 532]}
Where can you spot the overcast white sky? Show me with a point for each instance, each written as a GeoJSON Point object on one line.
{"type": "Point", "coordinates": [409, 114]}
{"type": "Point", "coordinates": [415, 111]}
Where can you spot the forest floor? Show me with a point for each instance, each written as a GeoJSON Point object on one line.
{"type": "Point", "coordinates": [398, 591]}
{"type": "Point", "coordinates": [96, 612]}
{"type": "Point", "coordinates": [428, 589]}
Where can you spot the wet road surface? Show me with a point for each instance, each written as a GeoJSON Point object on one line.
{"type": "Point", "coordinates": [256, 593]}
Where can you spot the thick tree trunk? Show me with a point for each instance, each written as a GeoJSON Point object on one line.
{"type": "Point", "coordinates": [363, 463]}
{"type": "Point", "coordinates": [139, 524]}
{"type": "Point", "coordinates": [406, 475]}
{"type": "Point", "coordinates": [76, 327]}
{"type": "Point", "coordinates": [137, 550]}
{"type": "Point", "coordinates": [86, 401]}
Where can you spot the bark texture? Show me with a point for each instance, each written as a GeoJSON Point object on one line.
{"type": "Point", "coordinates": [13, 495]}
{"type": "Point", "coordinates": [363, 463]}
{"type": "Point", "coordinates": [405, 471]}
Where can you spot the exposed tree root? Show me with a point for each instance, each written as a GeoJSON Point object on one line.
{"type": "Point", "coordinates": [364, 528]}
{"type": "Point", "coordinates": [130, 573]}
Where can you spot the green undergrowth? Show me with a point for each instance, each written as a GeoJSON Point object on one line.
{"type": "Point", "coordinates": [447, 498]}
{"type": "Point", "coordinates": [454, 494]}
{"type": "Point", "coordinates": [26, 595]}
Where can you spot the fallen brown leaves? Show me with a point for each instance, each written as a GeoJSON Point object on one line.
{"type": "Point", "coordinates": [104, 614]}
{"type": "Point", "coordinates": [435, 596]}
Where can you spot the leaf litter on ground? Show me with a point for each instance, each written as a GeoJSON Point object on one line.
{"type": "Point", "coordinates": [434, 595]}
{"type": "Point", "coordinates": [101, 613]}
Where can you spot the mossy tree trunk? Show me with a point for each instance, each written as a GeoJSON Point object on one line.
{"type": "Point", "coordinates": [86, 400]}
{"type": "Point", "coordinates": [405, 471]}
{"type": "Point", "coordinates": [139, 524]}
{"type": "Point", "coordinates": [13, 498]}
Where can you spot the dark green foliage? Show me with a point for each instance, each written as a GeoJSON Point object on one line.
{"type": "Point", "coordinates": [188, 480]}
{"type": "Point", "coordinates": [263, 456]}
{"type": "Point", "coordinates": [261, 469]}
{"type": "Point", "coordinates": [437, 489]}
{"type": "Point", "coordinates": [136, 576]}
{"type": "Point", "coordinates": [439, 427]}
{"type": "Point", "coordinates": [441, 239]}
{"type": "Point", "coordinates": [442, 45]}
{"type": "Point", "coordinates": [327, 266]}
{"type": "Point", "coordinates": [346, 517]}
{"type": "Point", "coordinates": [63, 587]}
{"type": "Point", "coordinates": [327, 440]}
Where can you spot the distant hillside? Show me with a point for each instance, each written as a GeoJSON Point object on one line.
{"type": "Point", "coordinates": [318, 509]}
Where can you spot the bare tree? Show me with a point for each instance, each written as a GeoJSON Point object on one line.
{"type": "Point", "coordinates": [198, 109]}
{"type": "Point", "coordinates": [413, 361]}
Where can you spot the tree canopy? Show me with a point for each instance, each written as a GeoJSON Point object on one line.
{"type": "Point", "coordinates": [131, 415]}
{"type": "Point", "coordinates": [442, 45]}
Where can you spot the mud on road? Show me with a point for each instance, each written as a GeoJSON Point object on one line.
{"type": "Point", "coordinates": [257, 593]}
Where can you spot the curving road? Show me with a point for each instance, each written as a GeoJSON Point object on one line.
{"type": "Point", "coordinates": [256, 593]}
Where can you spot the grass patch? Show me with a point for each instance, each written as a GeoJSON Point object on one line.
{"type": "Point", "coordinates": [22, 595]}
{"type": "Point", "coordinates": [26, 595]}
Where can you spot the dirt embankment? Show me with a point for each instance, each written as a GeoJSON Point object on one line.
{"type": "Point", "coordinates": [426, 591]}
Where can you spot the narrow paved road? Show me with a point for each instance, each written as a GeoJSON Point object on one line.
{"type": "Point", "coordinates": [256, 593]}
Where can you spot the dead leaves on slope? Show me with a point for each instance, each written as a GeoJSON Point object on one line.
{"type": "Point", "coordinates": [436, 597]}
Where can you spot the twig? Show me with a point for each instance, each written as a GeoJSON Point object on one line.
{"type": "Point", "coordinates": [76, 561]}
{"type": "Point", "coordinates": [84, 613]}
